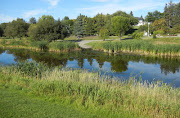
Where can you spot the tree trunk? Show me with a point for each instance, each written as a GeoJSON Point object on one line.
{"type": "Point", "coordinates": [120, 36]}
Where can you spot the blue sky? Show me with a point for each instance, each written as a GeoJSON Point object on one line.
{"type": "Point", "coordinates": [12, 9]}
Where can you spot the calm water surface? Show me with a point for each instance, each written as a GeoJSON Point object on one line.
{"type": "Point", "coordinates": [122, 66]}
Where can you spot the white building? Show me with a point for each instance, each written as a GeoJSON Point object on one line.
{"type": "Point", "coordinates": [141, 21]}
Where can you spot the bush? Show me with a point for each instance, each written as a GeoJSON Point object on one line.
{"type": "Point", "coordinates": [137, 35]}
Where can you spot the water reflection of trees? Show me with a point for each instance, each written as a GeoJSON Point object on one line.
{"type": "Point", "coordinates": [119, 63]}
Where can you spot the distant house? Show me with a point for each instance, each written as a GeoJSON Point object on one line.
{"type": "Point", "coordinates": [141, 21]}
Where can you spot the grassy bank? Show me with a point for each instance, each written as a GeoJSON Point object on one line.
{"type": "Point", "coordinates": [19, 104]}
{"type": "Point", "coordinates": [57, 46]}
{"type": "Point", "coordinates": [95, 94]}
{"type": "Point", "coordinates": [145, 47]}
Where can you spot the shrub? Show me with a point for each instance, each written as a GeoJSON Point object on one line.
{"type": "Point", "coordinates": [137, 35]}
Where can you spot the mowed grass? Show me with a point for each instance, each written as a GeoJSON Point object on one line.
{"type": "Point", "coordinates": [18, 104]}
{"type": "Point", "coordinates": [92, 92]}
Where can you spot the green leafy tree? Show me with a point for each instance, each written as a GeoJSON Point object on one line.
{"type": "Point", "coordinates": [152, 16]}
{"type": "Point", "coordinates": [104, 33]}
{"type": "Point", "coordinates": [100, 21]}
{"type": "Point", "coordinates": [3, 27]}
{"type": "Point", "coordinates": [161, 25]}
{"type": "Point", "coordinates": [17, 28]}
{"type": "Point", "coordinates": [32, 20]}
{"type": "Point", "coordinates": [44, 29]}
{"type": "Point", "coordinates": [10, 30]}
{"type": "Point", "coordinates": [33, 32]}
{"type": "Point", "coordinates": [120, 25]}
{"type": "Point", "coordinates": [21, 27]}
{"type": "Point", "coordinates": [133, 20]}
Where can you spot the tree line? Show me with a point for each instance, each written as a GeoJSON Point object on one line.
{"type": "Point", "coordinates": [167, 22]}
{"type": "Point", "coordinates": [118, 23]}
{"type": "Point", "coordinates": [47, 28]}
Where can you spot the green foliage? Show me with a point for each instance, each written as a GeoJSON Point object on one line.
{"type": "Point", "coordinates": [176, 17]}
{"type": "Point", "coordinates": [16, 28]}
{"type": "Point", "coordinates": [89, 91]}
{"type": "Point", "coordinates": [1, 31]}
{"type": "Point", "coordinates": [48, 29]}
{"type": "Point", "coordinates": [89, 26]}
{"type": "Point", "coordinates": [120, 25]}
{"type": "Point", "coordinates": [31, 69]}
{"type": "Point", "coordinates": [137, 35]}
{"type": "Point", "coordinates": [104, 33]}
{"type": "Point", "coordinates": [32, 20]}
{"type": "Point", "coordinates": [43, 45]}
{"type": "Point", "coordinates": [152, 16]}
{"type": "Point", "coordinates": [161, 25]}
{"type": "Point", "coordinates": [175, 29]}
{"type": "Point", "coordinates": [100, 21]}
{"type": "Point", "coordinates": [79, 29]}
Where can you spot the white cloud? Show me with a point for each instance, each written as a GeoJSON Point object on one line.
{"type": "Point", "coordinates": [33, 13]}
{"type": "Point", "coordinates": [127, 7]}
{"type": "Point", "coordinates": [53, 3]}
{"type": "Point", "coordinates": [5, 18]}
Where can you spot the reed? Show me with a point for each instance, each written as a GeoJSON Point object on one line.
{"type": "Point", "coordinates": [63, 46]}
{"type": "Point", "coordinates": [138, 46]}
{"type": "Point", "coordinates": [39, 45]}
{"type": "Point", "coordinates": [96, 93]}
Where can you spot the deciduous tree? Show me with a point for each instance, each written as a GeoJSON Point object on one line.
{"type": "Point", "coordinates": [104, 33]}
{"type": "Point", "coordinates": [120, 25]}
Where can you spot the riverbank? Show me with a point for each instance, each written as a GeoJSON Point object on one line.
{"type": "Point", "coordinates": [65, 46]}
{"type": "Point", "coordinates": [19, 104]}
{"type": "Point", "coordinates": [100, 95]}
{"type": "Point", "coordinates": [158, 47]}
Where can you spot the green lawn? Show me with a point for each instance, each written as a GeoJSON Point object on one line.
{"type": "Point", "coordinates": [17, 104]}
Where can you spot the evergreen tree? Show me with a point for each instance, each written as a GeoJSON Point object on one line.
{"type": "Point", "coordinates": [89, 26]}
{"type": "Point", "coordinates": [176, 17]}
{"type": "Point", "coordinates": [169, 13]}
{"type": "Point", "coordinates": [131, 13]}
{"type": "Point", "coordinates": [79, 29]}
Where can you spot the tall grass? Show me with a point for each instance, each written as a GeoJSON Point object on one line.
{"type": "Point", "coordinates": [39, 45]}
{"type": "Point", "coordinates": [95, 92]}
{"type": "Point", "coordinates": [43, 45]}
{"type": "Point", "coordinates": [63, 46]}
{"type": "Point", "coordinates": [13, 42]}
{"type": "Point", "coordinates": [138, 46]}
